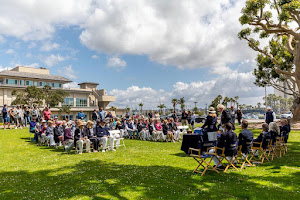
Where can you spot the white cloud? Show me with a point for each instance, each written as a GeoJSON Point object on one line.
{"type": "Point", "coordinates": [203, 92]}
{"type": "Point", "coordinates": [31, 45]}
{"type": "Point", "coordinates": [35, 65]}
{"type": "Point", "coordinates": [116, 63]}
{"type": "Point", "coordinates": [186, 34]}
{"type": "Point", "coordinates": [71, 85]}
{"type": "Point", "coordinates": [2, 39]}
{"type": "Point", "coordinates": [53, 59]}
{"type": "Point", "coordinates": [37, 20]}
{"type": "Point", "coordinates": [47, 46]}
{"type": "Point", "coordinates": [10, 51]}
{"type": "Point", "coordinates": [68, 72]}
{"type": "Point", "coordinates": [95, 56]}
{"type": "Point", "coordinates": [4, 68]}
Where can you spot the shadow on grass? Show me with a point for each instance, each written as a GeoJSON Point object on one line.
{"type": "Point", "coordinates": [101, 180]}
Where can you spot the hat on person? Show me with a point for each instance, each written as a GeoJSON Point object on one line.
{"type": "Point", "coordinates": [58, 122]}
{"type": "Point", "coordinates": [231, 106]}
{"type": "Point", "coordinates": [80, 124]}
{"type": "Point", "coordinates": [212, 110]}
{"type": "Point", "coordinates": [269, 108]}
{"type": "Point", "coordinates": [43, 121]}
{"type": "Point", "coordinates": [55, 117]}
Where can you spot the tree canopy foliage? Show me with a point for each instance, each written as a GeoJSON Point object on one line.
{"type": "Point", "coordinates": [277, 23]}
{"type": "Point", "coordinates": [39, 96]}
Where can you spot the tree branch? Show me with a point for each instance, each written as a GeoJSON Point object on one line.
{"type": "Point", "coordinates": [289, 45]}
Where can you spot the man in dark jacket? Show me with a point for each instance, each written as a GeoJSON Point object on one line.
{"type": "Point", "coordinates": [80, 139]}
{"type": "Point", "coordinates": [225, 115]}
{"type": "Point", "coordinates": [228, 141]}
{"type": "Point", "coordinates": [95, 115]}
{"type": "Point", "coordinates": [270, 116]}
{"type": "Point", "coordinates": [104, 135]}
{"type": "Point", "coordinates": [245, 138]}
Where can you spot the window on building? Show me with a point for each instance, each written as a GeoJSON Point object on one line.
{"type": "Point", "coordinates": [35, 84]}
{"type": "Point", "coordinates": [21, 82]}
{"type": "Point", "coordinates": [48, 83]}
{"type": "Point", "coordinates": [42, 84]}
{"type": "Point", "coordinates": [1, 81]}
{"type": "Point", "coordinates": [56, 85]}
{"type": "Point", "coordinates": [11, 82]}
{"type": "Point", "coordinates": [29, 83]}
{"type": "Point", "coordinates": [81, 102]}
{"type": "Point", "coordinates": [68, 101]}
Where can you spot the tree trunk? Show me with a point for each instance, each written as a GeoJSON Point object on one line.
{"type": "Point", "coordinates": [296, 110]}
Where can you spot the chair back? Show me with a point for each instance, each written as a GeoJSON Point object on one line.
{"type": "Point", "coordinates": [212, 136]}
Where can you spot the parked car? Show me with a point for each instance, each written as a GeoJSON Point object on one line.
{"type": "Point", "coordinates": [200, 119]}
{"type": "Point", "coordinates": [288, 115]}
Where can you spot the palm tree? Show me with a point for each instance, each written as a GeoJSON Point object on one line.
{"type": "Point", "coordinates": [141, 105]}
{"type": "Point", "coordinates": [258, 105]}
{"type": "Point", "coordinates": [219, 98]}
{"type": "Point", "coordinates": [174, 102]}
{"type": "Point", "coordinates": [161, 106]}
{"type": "Point", "coordinates": [236, 100]}
{"type": "Point", "coordinates": [181, 102]}
{"type": "Point", "coordinates": [225, 101]}
{"type": "Point", "coordinates": [232, 102]}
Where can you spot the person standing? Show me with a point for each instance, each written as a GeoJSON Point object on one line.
{"type": "Point", "coordinates": [26, 115]}
{"type": "Point", "coordinates": [225, 115]}
{"type": "Point", "coordinates": [81, 115]}
{"type": "Point", "coordinates": [211, 121]}
{"type": "Point", "coordinates": [270, 116]}
{"type": "Point", "coordinates": [102, 113]}
{"type": "Point", "coordinates": [95, 116]}
{"type": "Point", "coordinates": [35, 112]}
{"type": "Point", "coordinates": [232, 113]}
{"type": "Point", "coordinates": [193, 120]}
{"type": "Point", "coordinates": [150, 115]}
{"type": "Point", "coordinates": [5, 116]}
{"type": "Point", "coordinates": [12, 116]}
{"type": "Point", "coordinates": [47, 114]}
{"type": "Point", "coordinates": [18, 115]}
{"type": "Point", "coordinates": [174, 115]}
{"type": "Point", "coordinates": [239, 115]}
{"type": "Point", "coordinates": [184, 117]}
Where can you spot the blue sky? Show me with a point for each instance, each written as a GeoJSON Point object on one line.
{"type": "Point", "coordinates": [150, 52]}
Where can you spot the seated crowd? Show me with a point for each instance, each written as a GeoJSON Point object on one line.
{"type": "Point", "coordinates": [229, 146]}
{"type": "Point", "coordinates": [97, 134]}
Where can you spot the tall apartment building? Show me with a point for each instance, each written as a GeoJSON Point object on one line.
{"type": "Point", "coordinates": [86, 98]}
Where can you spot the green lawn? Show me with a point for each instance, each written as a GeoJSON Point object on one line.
{"type": "Point", "coordinates": [144, 170]}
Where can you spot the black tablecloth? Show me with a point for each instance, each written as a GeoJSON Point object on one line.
{"type": "Point", "coordinates": [190, 141]}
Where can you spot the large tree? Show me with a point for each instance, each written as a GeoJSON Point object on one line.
{"type": "Point", "coordinates": [30, 96]}
{"type": "Point", "coordinates": [278, 22]}
{"type": "Point", "coordinates": [33, 95]}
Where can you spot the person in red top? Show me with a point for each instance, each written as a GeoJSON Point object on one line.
{"type": "Point", "coordinates": [47, 114]}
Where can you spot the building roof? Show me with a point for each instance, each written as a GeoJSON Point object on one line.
{"type": "Point", "coordinates": [34, 76]}
{"type": "Point", "coordinates": [92, 83]}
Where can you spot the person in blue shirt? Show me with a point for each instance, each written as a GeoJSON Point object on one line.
{"type": "Point", "coordinates": [5, 117]}
{"type": "Point", "coordinates": [101, 114]}
{"type": "Point", "coordinates": [81, 115]}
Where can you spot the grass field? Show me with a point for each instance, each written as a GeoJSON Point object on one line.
{"type": "Point", "coordinates": [144, 170]}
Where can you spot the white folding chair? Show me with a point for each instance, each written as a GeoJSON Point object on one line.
{"type": "Point", "coordinates": [117, 132]}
